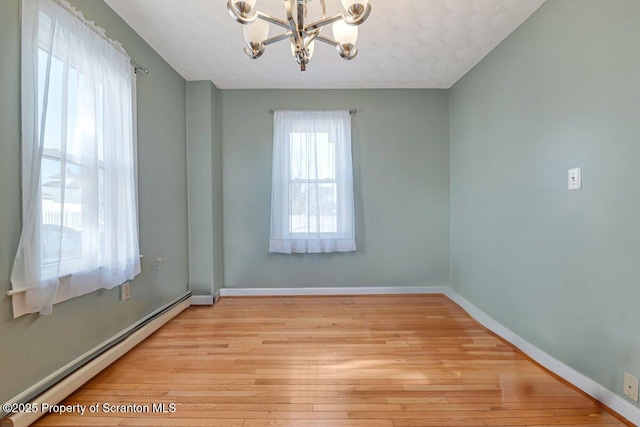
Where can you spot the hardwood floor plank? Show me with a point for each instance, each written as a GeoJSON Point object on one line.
{"type": "Point", "coordinates": [182, 422]}
{"type": "Point", "coordinates": [339, 361]}
{"type": "Point", "coordinates": [67, 421]}
{"type": "Point", "coordinates": [317, 423]}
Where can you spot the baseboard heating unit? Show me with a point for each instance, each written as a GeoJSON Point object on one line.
{"type": "Point", "coordinates": [57, 386]}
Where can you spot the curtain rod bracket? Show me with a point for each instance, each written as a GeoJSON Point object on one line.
{"type": "Point", "coordinates": [137, 67]}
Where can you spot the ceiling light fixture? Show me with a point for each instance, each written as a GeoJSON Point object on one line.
{"type": "Point", "coordinates": [301, 35]}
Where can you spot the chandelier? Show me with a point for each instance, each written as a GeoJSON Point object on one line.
{"type": "Point", "coordinates": [301, 35]}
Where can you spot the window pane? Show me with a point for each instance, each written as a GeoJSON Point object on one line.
{"type": "Point", "coordinates": [52, 127]}
{"type": "Point", "coordinates": [326, 156]}
{"type": "Point", "coordinates": [55, 132]}
{"type": "Point", "coordinates": [298, 156]}
{"type": "Point", "coordinates": [99, 130]}
{"type": "Point", "coordinates": [298, 201]}
{"type": "Point", "coordinates": [74, 142]}
{"type": "Point", "coordinates": [101, 213]}
{"type": "Point", "coordinates": [61, 230]}
{"type": "Point", "coordinates": [312, 156]}
{"type": "Point", "coordinates": [313, 208]}
{"type": "Point", "coordinates": [328, 196]}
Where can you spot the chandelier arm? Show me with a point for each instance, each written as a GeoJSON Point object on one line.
{"type": "Point", "coordinates": [327, 40]}
{"type": "Point", "coordinates": [360, 18]}
{"type": "Point", "coordinates": [276, 39]}
{"type": "Point", "coordinates": [324, 9]}
{"type": "Point", "coordinates": [271, 19]}
{"type": "Point", "coordinates": [324, 21]}
{"type": "Point", "coordinates": [311, 38]}
{"type": "Point", "coordinates": [292, 23]}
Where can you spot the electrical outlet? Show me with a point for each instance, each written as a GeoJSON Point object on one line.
{"type": "Point", "coordinates": [631, 386]}
{"type": "Point", "coordinates": [125, 291]}
{"type": "Point", "coordinates": [159, 263]}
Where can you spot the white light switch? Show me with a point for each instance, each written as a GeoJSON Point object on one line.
{"type": "Point", "coordinates": [574, 179]}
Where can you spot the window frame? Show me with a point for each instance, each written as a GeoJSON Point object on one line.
{"type": "Point", "coordinates": [309, 182]}
{"type": "Point", "coordinates": [77, 265]}
{"type": "Point", "coordinates": [324, 231]}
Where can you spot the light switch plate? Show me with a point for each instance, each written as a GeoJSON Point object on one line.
{"type": "Point", "coordinates": [574, 178]}
{"type": "Point", "coordinates": [631, 386]}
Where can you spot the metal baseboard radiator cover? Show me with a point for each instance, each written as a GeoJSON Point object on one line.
{"type": "Point", "coordinates": [60, 384]}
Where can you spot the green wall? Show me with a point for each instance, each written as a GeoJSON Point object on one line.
{"type": "Point", "coordinates": [33, 346]}
{"type": "Point", "coordinates": [401, 182]}
{"type": "Point", "coordinates": [205, 188]}
{"type": "Point", "coordinates": [559, 268]}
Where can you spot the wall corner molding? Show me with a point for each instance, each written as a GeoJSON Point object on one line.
{"type": "Point", "coordinates": [202, 299]}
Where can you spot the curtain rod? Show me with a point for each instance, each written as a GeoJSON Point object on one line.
{"type": "Point", "coordinates": [352, 111]}
{"type": "Point", "coordinates": [138, 67]}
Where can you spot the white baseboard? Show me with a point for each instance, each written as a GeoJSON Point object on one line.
{"type": "Point", "coordinates": [202, 300]}
{"type": "Point", "coordinates": [70, 383]}
{"type": "Point", "coordinates": [287, 292]}
{"type": "Point", "coordinates": [581, 381]}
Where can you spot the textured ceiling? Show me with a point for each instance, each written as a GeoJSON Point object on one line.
{"type": "Point", "coordinates": [403, 44]}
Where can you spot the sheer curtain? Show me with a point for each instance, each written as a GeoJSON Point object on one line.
{"type": "Point", "coordinates": [312, 183]}
{"type": "Point", "coordinates": [79, 229]}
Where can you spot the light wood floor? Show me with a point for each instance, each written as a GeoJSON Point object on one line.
{"type": "Point", "coordinates": [364, 361]}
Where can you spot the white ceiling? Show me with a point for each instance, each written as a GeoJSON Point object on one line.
{"type": "Point", "coordinates": [403, 44]}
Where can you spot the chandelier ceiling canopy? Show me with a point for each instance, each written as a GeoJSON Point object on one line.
{"type": "Point", "coordinates": [301, 35]}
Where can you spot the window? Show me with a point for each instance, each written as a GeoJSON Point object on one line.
{"type": "Point", "coordinates": [312, 183]}
{"type": "Point", "coordinates": [79, 203]}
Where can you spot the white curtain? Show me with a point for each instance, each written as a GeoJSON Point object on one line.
{"type": "Point", "coordinates": [79, 229]}
{"type": "Point", "coordinates": [312, 183]}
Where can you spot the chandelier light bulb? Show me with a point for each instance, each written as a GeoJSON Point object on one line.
{"type": "Point", "coordinates": [255, 33]}
{"type": "Point", "coordinates": [344, 33]}
{"type": "Point", "coordinates": [310, 48]}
